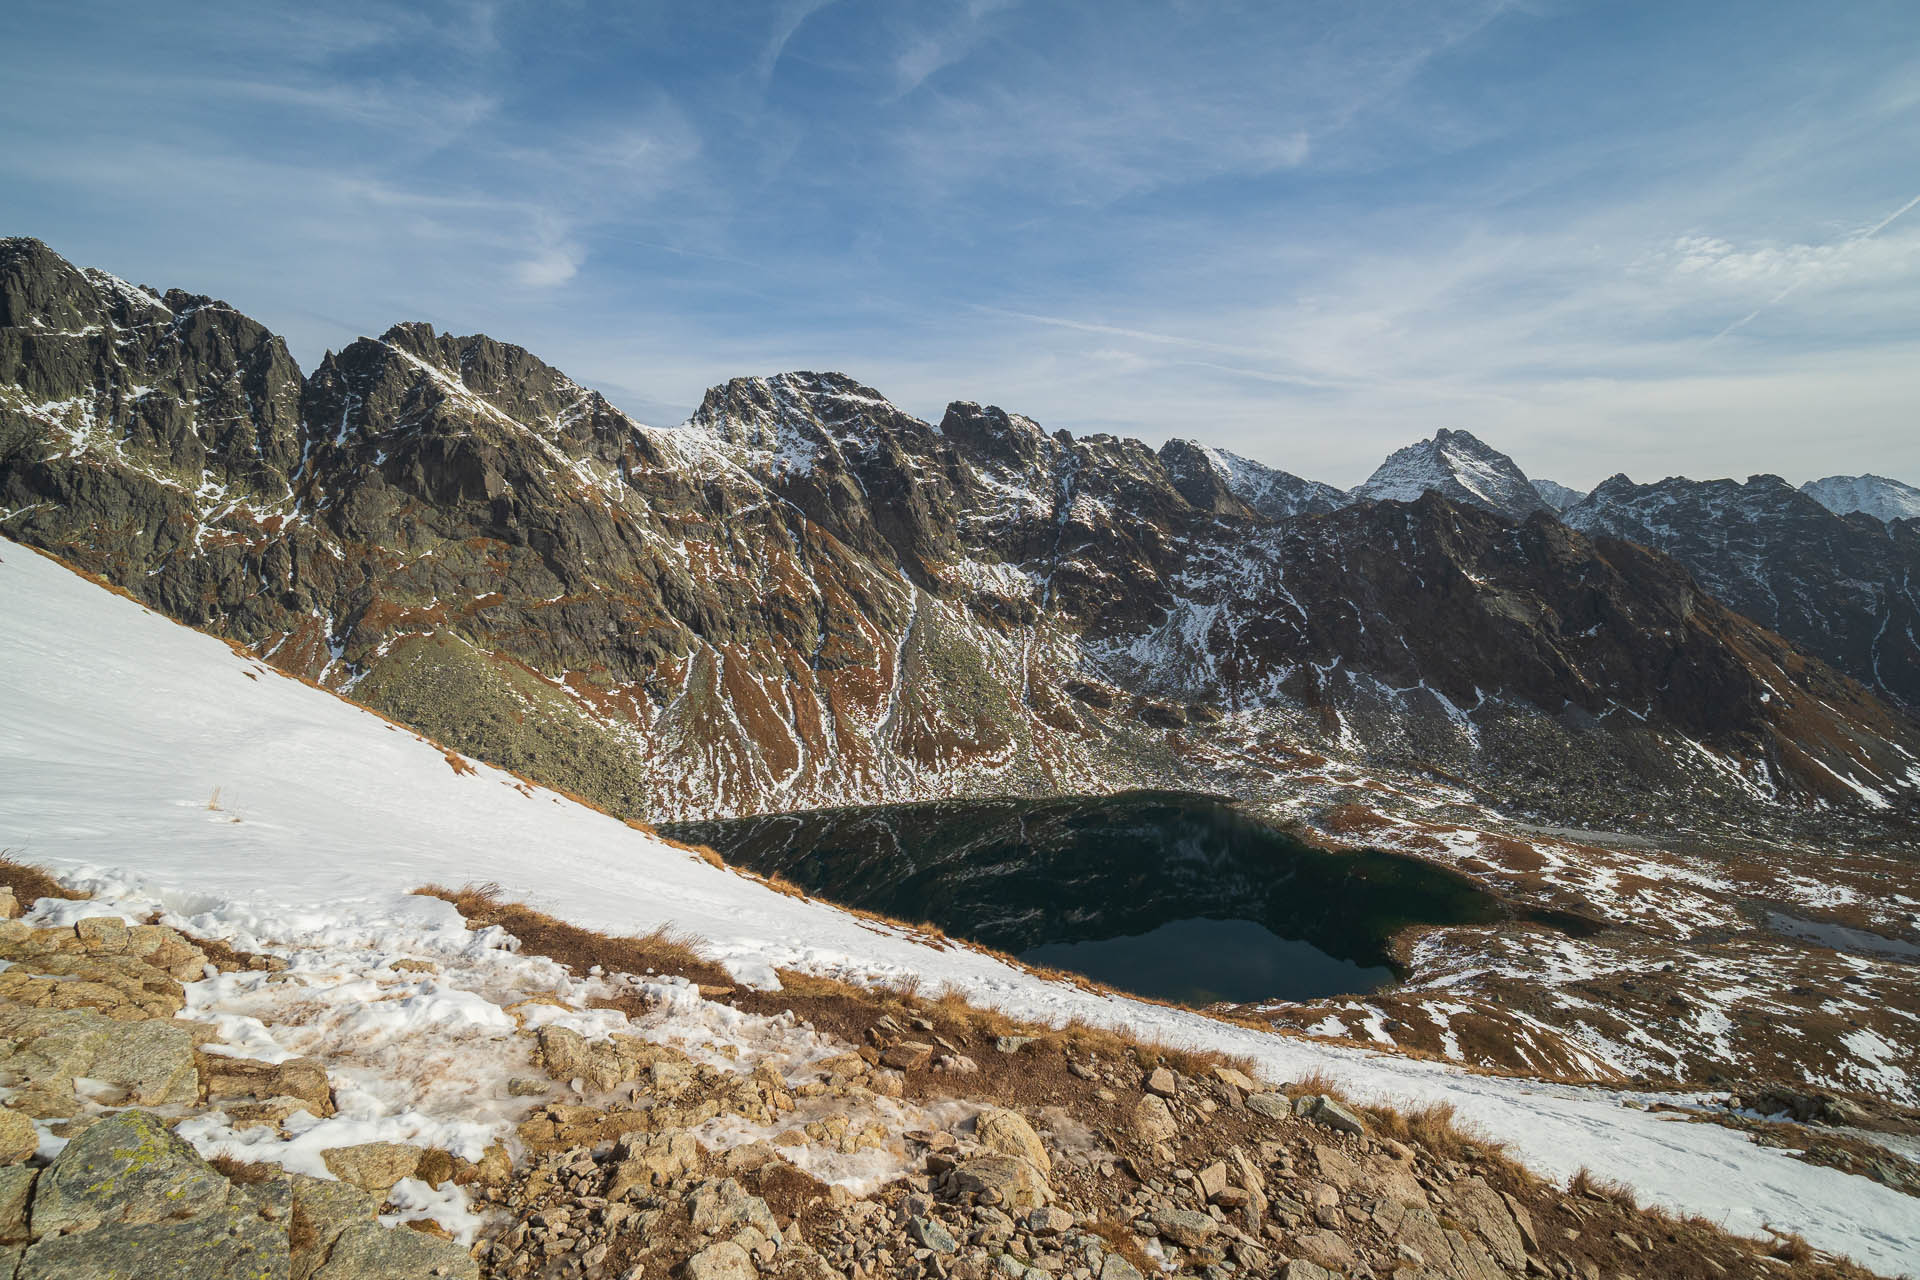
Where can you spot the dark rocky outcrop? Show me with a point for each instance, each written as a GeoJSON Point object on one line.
{"type": "Point", "coordinates": [1844, 587]}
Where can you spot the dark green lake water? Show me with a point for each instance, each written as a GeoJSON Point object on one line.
{"type": "Point", "coordinates": [1170, 895]}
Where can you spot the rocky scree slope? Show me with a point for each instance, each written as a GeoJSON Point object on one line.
{"type": "Point", "coordinates": [646, 1125]}
{"type": "Point", "coordinates": [805, 596]}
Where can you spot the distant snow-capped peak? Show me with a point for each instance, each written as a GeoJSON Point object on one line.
{"type": "Point", "coordinates": [1456, 465]}
{"type": "Point", "coordinates": [1881, 498]}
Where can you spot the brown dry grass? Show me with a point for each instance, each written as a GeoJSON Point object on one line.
{"type": "Point", "coordinates": [661, 950]}
{"type": "Point", "coordinates": [459, 763]}
{"type": "Point", "coordinates": [30, 884]}
{"type": "Point", "coordinates": [1437, 1128]}
{"type": "Point", "coordinates": [1584, 1183]}
{"type": "Point", "coordinates": [245, 1173]}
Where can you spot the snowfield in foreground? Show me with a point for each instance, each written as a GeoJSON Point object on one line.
{"type": "Point", "coordinates": [153, 758]}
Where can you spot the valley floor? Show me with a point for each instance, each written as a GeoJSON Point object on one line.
{"type": "Point", "coordinates": [159, 767]}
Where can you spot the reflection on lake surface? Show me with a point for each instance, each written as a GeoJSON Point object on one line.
{"type": "Point", "coordinates": [1165, 894]}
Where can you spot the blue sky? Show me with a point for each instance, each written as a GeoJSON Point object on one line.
{"type": "Point", "coordinates": [1605, 236]}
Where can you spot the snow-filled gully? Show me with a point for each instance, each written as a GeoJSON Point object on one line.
{"type": "Point", "coordinates": [119, 725]}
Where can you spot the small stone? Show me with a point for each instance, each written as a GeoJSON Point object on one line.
{"type": "Point", "coordinates": [1238, 1079]}
{"type": "Point", "coordinates": [908, 1055]}
{"type": "Point", "coordinates": [527, 1087]}
{"type": "Point", "coordinates": [1274, 1106]}
{"type": "Point", "coordinates": [1012, 1044]}
{"type": "Point", "coordinates": [930, 1233]}
{"type": "Point", "coordinates": [1213, 1179]}
{"type": "Point", "coordinates": [1163, 1082]}
{"type": "Point", "coordinates": [1049, 1221]}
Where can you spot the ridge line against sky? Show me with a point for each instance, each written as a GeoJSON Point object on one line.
{"type": "Point", "coordinates": [1602, 236]}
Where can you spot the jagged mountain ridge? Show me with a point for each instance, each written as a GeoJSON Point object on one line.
{"type": "Point", "coordinates": [805, 596]}
{"type": "Point", "coordinates": [1844, 587]}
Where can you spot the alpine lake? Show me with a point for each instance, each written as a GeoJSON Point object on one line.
{"type": "Point", "coordinates": [1171, 895]}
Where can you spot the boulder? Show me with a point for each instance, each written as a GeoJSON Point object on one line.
{"type": "Point", "coordinates": [931, 1233]}
{"type": "Point", "coordinates": [16, 1190]}
{"type": "Point", "coordinates": [18, 1138]}
{"type": "Point", "coordinates": [322, 1209]}
{"type": "Point", "coordinates": [152, 1061]}
{"type": "Point", "coordinates": [228, 1242]}
{"type": "Point", "coordinates": [908, 1055]}
{"type": "Point", "coordinates": [1238, 1079]}
{"type": "Point", "coordinates": [365, 1250]}
{"type": "Point", "coordinates": [723, 1261]}
{"type": "Point", "coordinates": [102, 935]}
{"type": "Point", "coordinates": [725, 1206]}
{"type": "Point", "coordinates": [1007, 1133]}
{"type": "Point", "coordinates": [1335, 1115]}
{"type": "Point", "coordinates": [1480, 1207]}
{"type": "Point", "coordinates": [126, 1169]}
{"type": "Point", "coordinates": [1185, 1227]}
{"type": "Point", "coordinates": [302, 1078]}
{"type": "Point", "coordinates": [1163, 1082]}
{"type": "Point", "coordinates": [373, 1166]}
{"type": "Point", "coordinates": [1152, 1121]}
{"type": "Point", "coordinates": [1002, 1180]}
{"type": "Point", "coordinates": [1274, 1106]}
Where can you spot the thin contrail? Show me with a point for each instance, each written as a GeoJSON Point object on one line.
{"type": "Point", "coordinates": [1781, 296]}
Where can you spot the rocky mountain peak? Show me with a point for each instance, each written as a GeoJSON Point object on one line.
{"type": "Point", "coordinates": [1201, 472]}
{"type": "Point", "coordinates": [1457, 465]}
{"type": "Point", "coordinates": [990, 436]}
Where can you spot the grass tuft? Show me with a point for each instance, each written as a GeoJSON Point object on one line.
{"type": "Point", "coordinates": [661, 950]}
{"type": "Point", "coordinates": [30, 883]}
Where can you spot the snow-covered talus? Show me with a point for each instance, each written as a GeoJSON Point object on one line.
{"type": "Point", "coordinates": [1883, 499]}
{"type": "Point", "coordinates": [121, 725]}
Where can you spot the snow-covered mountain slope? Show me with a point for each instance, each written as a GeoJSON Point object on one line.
{"type": "Point", "coordinates": [148, 754]}
{"type": "Point", "coordinates": [1203, 474]}
{"type": "Point", "coordinates": [1456, 465]}
{"type": "Point", "coordinates": [1883, 499]}
{"type": "Point", "coordinates": [1558, 496]}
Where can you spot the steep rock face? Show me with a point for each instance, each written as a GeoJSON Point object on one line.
{"type": "Point", "coordinates": [1216, 480]}
{"type": "Point", "coordinates": [1844, 587]}
{"type": "Point", "coordinates": [805, 596]}
{"type": "Point", "coordinates": [1557, 496]}
{"type": "Point", "coordinates": [1883, 499]}
{"type": "Point", "coordinates": [1456, 465]}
